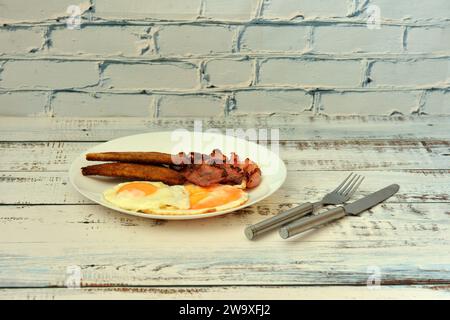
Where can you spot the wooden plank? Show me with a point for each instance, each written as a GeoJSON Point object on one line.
{"type": "Point", "coordinates": [231, 293]}
{"type": "Point", "coordinates": [292, 127]}
{"type": "Point", "coordinates": [407, 238]}
{"type": "Point", "coordinates": [406, 243]}
{"type": "Point", "coordinates": [298, 155]}
{"type": "Point", "coordinates": [416, 186]}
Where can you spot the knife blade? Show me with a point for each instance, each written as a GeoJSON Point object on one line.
{"type": "Point", "coordinates": [371, 200]}
{"type": "Point", "coordinates": [354, 208]}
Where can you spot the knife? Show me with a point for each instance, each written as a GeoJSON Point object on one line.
{"type": "Point", "coordinates": [352, 209]}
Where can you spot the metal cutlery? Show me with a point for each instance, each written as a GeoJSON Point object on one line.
{"type": "Point", "coordinates": [354, 208]}
{"type": "Point", "coordinates": [338, 196]}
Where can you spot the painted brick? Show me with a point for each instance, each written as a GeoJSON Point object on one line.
{"type": "Point", "coordinates": [268, 102]}
{"type": "Point", "coordinates": [49, 74]}
{"type": "Point", "coordinates": [148, 9]}
{"type": "Point", "coordinates": [310, 73]}
{"type": "Point", "coordinates": [151, 76]}
{"type": "Point", "coordinates": [414, 73]}
{"type": "Point", "coordinates": [200, 106]}
{"type": "Point", "coordinates": [368, 103]}
{"type": "Point", "coordinates": [74, 104]}
{"type": "Point", "coordinates": [22, 104]}
{"type": "Point", "coordinates": [288, 9]}
{"type": "Point", "coordinates": [437, 102]}
{"type": "Point", "coordinates": [234, 10]}
{"type": "Point", "coordinates": [274, 38]}
{"type": "Point", "coordinates": [107, 41]}
{"type": "Point", "coordinates": [223, 72]}
{"type": "Point", "coordinates": [429, 40]}
{"type": "Point", "coordinates": [23, 10]}
{"type": "Point", "coordinates": [345, 39]}
{"type": "Point", "coordinates": [200, 40]}
{"type": "Point", "coordinates": [413, 9]}
{"type": "Point", "coordinates": [188, 40]}
{"type": "Point", "coordinates": [20, 41]}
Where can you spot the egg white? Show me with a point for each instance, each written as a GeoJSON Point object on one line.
{"type": "Point", "coordinates": [232, 204]}
{"type": "Point", "coordinates": [167, 200]}
{"type": "Point", "coordinates": [166, 197]}
{"type": "Point", "coordinates": [226, 206]}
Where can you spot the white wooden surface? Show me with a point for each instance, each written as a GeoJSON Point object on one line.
{"type": "Point", "coordinates": [46, 226]}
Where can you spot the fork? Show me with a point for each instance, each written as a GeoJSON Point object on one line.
{"type": "Point", "coordinates": [341, 194]}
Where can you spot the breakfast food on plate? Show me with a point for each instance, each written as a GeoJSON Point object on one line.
{"type": "Point", "coordinates": [159, 198]}
{"type": "Point", "coordinates": [181, 184]}
{"type": "Point", "coordinates": [132, 157]}
{"type": "Point", "coordinates": [205, 170]}
{"type": "Point", "coordinates": [143, 195]}
{"type": "Point", "coordinates": [135, 171]}
{"type": "Point", "coordinates": [196, 168]}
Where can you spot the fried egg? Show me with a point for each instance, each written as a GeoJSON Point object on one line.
{"type": "Point", "coordinates": [143, 195]}
{"type": "Point", "coordinates": [159, 198]}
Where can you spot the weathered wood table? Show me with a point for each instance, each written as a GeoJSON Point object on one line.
{"type": "Point", "coordinates": [400, 248]}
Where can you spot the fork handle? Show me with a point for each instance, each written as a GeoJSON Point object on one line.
{"type": "Point", "coordinates": [278, 220]}
{"type": "Point", "coordinates": [305, 224]}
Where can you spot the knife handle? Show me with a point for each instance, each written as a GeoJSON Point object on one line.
{"type": "Point", "coordinates": [278, 220]}
{"type": "Point", "coordinates": [305, 224]}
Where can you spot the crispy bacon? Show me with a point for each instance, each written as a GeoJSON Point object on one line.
{"type": "Point", "coordinates": [233, 175]}
{"type": "Point", "coordinates": [200, 169]}
{"type": "Point", "coordinates": [217, 168]}
{"type": "Point", "coordinates": [254, 179]}
{"type": "Point", "coordinates": [203, 175]}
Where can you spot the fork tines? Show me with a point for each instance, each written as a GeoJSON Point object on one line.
{"type": "Point", "coordinates": [348, 187]}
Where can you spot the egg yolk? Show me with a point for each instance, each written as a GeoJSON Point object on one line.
{"type": "Point", "coordinates": [138, 188]}
{"type": "Point", "coordinates": [201, 198]}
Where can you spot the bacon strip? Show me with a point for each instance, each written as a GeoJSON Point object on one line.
{"type": "Point", "coordinates": [203, 175]}
{"type": "Point", "coordinates": [200, 169]}
{"type": "Point", "coordinates": [253, 173]}
{"type": "Point", "coordinates": [233, 174]}
{"type": "Point", "coordinates": [135, 171]}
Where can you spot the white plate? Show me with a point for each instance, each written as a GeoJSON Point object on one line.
{"type": "Point", "coordinates": [272, 167]}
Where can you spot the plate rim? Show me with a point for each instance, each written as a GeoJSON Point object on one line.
{"type": "Point", "coordinates": [72, 171]}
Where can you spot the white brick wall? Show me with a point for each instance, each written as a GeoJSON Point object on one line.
{"type": "Point", "coordinates": [351, 39]}
{"type": "Point", "coordinates": [23, 103]}
{"type": "Point", "coordinates": [411, 73]}
{"type": "Point", "coordinates": [437, 102]}
{"type": "Point", "coordinates": [269, 102]}
{"type": "Point", "coordinates": [367, 103]}
{"type": "Point", "coordinates": [31, 74]}
{"type": "Point", "coordinates": [436, 39]}
{"type": "Point", "coordinates": [226, 72]}
{"type": "Point", "coordinates": [20, 41]}
{"type": "Point", "coordinates": [309, 9]}
{"type": "Point", "coordinates": [190, 106]}
{"type": "Point", "coordinates": [68, 104]}
{"type": "Point", "coordinates": [274, 39]}
{"type": "Point", "coordinates": [172, 76]}
{"type": "Point", "coordinates": [188, 40]}
{"type": "Point", "coordinates": [310, 73]}
{"type": "Point", "coordinates": [237, 10]}
{"type": "Point", "coordinates": [13, 11]}
{"type": "Point", "coordinates": [105, 41]}
{"type": "Point", "coordinates": [147, 9]}
{"type": "Point", "coordinates": [219, 58]}
{"type": "Point", "coordinates": [413, 9]}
